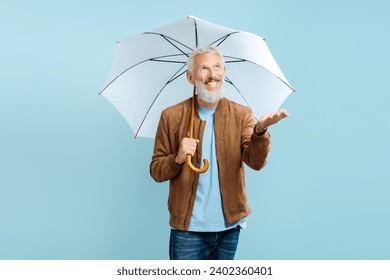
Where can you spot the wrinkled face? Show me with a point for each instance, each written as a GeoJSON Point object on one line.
{"type": "Point", "coordinates": [208, 71]}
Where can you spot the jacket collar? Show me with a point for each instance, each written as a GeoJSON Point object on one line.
{"type": "Point", "coordinates": [220, 107]}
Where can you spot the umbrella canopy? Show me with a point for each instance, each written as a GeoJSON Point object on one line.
{"type": "Point", "coordinates": [148, 72]}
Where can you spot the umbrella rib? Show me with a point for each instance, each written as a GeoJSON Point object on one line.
{"type": "Point", "coordinates": [196, 33]}
{"type": "Point", "coordinates": [156, 59]}
{"type": "Point", "coordinates": [223, 38]}
{"type": "Point", "coordinates": [147, 112]}
{"type": "Point", "coordinates": [244, 60]}
{"type": "Point", "coordinates": [243, 97]}
{"type": "Point", "coordinates": [177, 76]}
{"type": "Point", "coordinates": [170, 41]}
{"type": "Point", "coordinates": [174, 77]}
{"type": "Point", "coordinates": [168, 61]}
{"type": "Point", "coordinates": [169, 55]}
{"type": "Point", "coordinates": [241, 60]}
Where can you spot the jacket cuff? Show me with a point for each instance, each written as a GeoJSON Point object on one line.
{"type": "Point", "coordinates": [175, 166]}
{"type": "Point", "coordinates": [265, 134]}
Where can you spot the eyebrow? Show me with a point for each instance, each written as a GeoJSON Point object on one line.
{"type": "Point", "coordinates": [204, 65]}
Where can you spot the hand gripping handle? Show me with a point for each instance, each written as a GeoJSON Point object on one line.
{"type": "Point", "coordinates": [188, 156]}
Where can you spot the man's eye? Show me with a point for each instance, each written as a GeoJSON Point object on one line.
{"type": "Point", "coordinates": [203, 69]}
{"type": "Point", "coordinates": [217, 67]}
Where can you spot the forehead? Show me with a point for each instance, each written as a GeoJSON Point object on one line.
{"type": "Point", "coordinates": [207, 58]}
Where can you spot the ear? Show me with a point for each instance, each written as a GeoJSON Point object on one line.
{"type": "Point", "coordinates": [190, 78]}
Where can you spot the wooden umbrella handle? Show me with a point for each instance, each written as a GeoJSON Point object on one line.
{"type": "Point", "coordinates": [188, 156]}
{"type": "Point", "coordinates": [195, 169]}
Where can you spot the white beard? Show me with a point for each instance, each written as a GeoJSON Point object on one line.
{"type": "Point", "coordinates": [211, 97]}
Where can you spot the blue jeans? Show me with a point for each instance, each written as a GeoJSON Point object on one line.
{"type": "Point", "coordinates": [190, 245]}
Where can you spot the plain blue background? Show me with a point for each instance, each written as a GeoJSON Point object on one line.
{"type": "Point", "coordinates": [74, 184]}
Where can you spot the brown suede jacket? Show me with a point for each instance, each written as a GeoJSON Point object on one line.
{"type": "Point", "coordinates": [236, 143]}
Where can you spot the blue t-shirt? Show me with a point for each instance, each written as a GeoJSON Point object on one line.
{"type": "Point", "coordinates": [207, 214]}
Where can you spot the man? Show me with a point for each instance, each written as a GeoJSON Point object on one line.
{"type": "Point", "coordinates": [208, 210]}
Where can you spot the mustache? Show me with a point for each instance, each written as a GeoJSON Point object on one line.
{"type": "Point", "coordinates": [213, 79]}
{"type": "Point", "coordinates": [209, 96]}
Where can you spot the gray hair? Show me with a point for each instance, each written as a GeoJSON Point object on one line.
{"type": "Point", "coordinates": [202, 50]}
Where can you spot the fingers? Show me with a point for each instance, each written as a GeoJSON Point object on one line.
{"type": "Point", "coordinates": [272, 118]}
{"type": "Point", "coordinates": [187, 146]}
{"type": "Point", "coordinates": [283, 113]}
{"type": "Point", "coordinates": [280, 114]}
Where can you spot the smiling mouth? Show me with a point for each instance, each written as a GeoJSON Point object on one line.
{"type": "Point", "coordinates": [212, 82]}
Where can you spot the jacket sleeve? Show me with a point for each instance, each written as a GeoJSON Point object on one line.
{"type": "Point", "coordinates": [163, 166]}
{"type": "Point", "coordinates": [255, 148]}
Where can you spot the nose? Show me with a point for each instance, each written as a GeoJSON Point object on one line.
{"type": "Point", "coordinates": [212, 74]}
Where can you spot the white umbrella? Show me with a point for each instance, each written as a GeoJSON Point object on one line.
{"type": "Point", "coordinates": [148, 72]}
